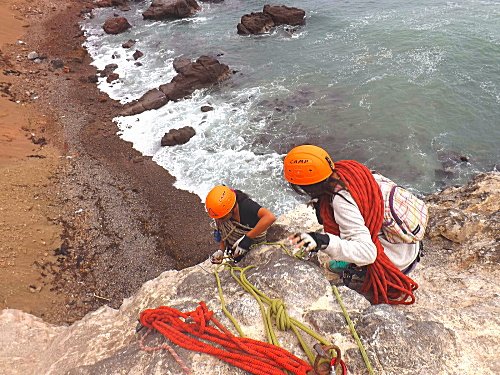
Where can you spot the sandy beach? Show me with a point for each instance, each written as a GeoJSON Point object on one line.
{"type": "Point", "coordinates": [84, 219]}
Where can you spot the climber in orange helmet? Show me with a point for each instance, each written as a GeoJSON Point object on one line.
{"type": "Point", "coordinates": [241, 222]}
{"type": "Point", "coordinates": [350, 205]}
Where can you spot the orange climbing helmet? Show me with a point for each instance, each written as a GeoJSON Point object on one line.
{"type": "Point", "coordinates": [307, 165]}
{"type": "Point", "coordinates": [220, 201]}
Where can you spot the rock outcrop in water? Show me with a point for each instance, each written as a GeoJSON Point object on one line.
{"type": "Point", "coordinates": [170, 9]}
{"type": "Point", "coordinates": [204, 72]}
{"type": "Point", "coordinates": [271, 16]}
{"type": "Point", "coordinates": [453, 328]}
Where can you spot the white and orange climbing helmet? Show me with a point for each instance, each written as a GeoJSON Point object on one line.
{"type": "Point", "coordinates": [307, 165]}
{"type": "Point", "coordinates": [220, 201]}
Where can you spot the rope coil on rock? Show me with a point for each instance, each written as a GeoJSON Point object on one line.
{"type": "Point", "coordinates": [192, 331]}
{"type": "Point", "coordinates": [383, 280]}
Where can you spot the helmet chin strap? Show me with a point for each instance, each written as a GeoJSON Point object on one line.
{"type": "Point", "coordinates": [330, 163]}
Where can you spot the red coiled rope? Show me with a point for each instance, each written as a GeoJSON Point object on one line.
{"type": "Point", "coordinates": [189, 329]}
{"type": "Point", "coordinates": [383, 279]}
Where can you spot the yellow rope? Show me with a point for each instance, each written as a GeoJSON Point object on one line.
{"type": "Point", "coordinates": [276, 309]}
{"type": "Point", "coordinates": [353, 331]}
{"type": "Point", "coordinates": [223, 305]}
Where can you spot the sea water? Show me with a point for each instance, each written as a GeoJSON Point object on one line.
{"type": "Point", "coordinates": [412, 89]}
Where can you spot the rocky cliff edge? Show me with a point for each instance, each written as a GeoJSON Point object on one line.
{"type": "Point", "coordinates": [453, 328]}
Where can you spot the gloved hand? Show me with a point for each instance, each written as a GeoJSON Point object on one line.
{"type": "Point", "coordinates": [310, 242]}
{"type": "Point", "coordinates": [217, 257]}
{"type": "Point", "coordinates": [241, 247]}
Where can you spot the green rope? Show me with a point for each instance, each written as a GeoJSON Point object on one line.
{"type": "Point", "coordinates": [353, 330]}
{"type": "Point", "coordinates": [223, 305]}
{"type": "Point", "coordinates": [277, 309]}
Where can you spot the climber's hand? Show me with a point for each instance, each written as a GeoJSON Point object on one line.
{"type": "Point", "coordinates": [217, 257]}
{"type": "Point", "coordinates": [311, 242]}
{"type": "Point", "coordinates": [241, 247]}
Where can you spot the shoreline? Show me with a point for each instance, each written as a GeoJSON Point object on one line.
{"type": "Point", "coordinates": [112, 217]}
{"type": "Point", "coordinates": [120, 220]}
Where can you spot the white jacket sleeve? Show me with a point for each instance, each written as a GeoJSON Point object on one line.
{"type": "Point", "coordinates": [354, 244]}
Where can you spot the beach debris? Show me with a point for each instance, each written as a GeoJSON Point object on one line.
{"type": "Point", "coordinates": [56, 64]}
{"type": "Point", "coordinates": [32, 55]}
{"type": "Point", "coordinates": [178, 136]}
{"type": "Point", "coordinates": [170, 9]}
{"type": "Point", "coordinates": [102, 298]}
{"type": "Point", "coordinates": [35, 288]}
{"type": "Point", "coordinates": [116, 25]}
{"type": "Point", "coordinates": [271, 16]}
{"type": "Point", "coordinates": [38, 140]}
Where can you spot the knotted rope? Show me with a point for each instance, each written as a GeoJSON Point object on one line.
{"type": "Point", "coordinates": [192, 331]}
{"type": "Point", "coordinates": [383, 279]}
{"type": "Point", "coordinates": [276, 310]}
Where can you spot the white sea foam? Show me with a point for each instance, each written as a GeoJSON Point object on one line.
{"type": "Point", "coordinates": [218, 153]}
{"type": "Point", "coordinates": [372, 75]}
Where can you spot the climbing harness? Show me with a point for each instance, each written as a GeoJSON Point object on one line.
{"type": "Point", "coordinates": [231, 231]}
{"type": "Point", "coordinates": [383, 281]}
{"type": "Point", "coordinates": [192, 330]}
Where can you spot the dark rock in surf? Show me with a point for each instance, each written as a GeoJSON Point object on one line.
{"type": "Point", "coordinates": [170, 9]}
{"type": "Point", "coordinates": [178, 136]}
{"type": "Point", "coordinates": [283, 15]}
{"type": "Point", "coordinates": [108, 69]}
{"type": "Point", "coordinates": [255, 23]}
{"type": "Point", "coordinates": [128, 44]}
{"type": "Point", "coordinates": [206, 108]}
{"type": "Point", "coordinates": [112, 77]}
{"type": "Point", "coordinates": [137, 54]}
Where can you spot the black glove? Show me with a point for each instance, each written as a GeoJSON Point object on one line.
{"type": "Point", "coordinates": [241, 247]}
{"type": "Point", "coordinates": [311, 242]}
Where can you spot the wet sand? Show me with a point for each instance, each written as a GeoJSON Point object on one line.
{"type": "Point", "coordinates": [85, 220]}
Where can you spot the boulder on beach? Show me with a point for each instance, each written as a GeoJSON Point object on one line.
{"type": "Point", "coordinates": [170, 9]}
{"type": "Point", "coordinates": [116, 25]}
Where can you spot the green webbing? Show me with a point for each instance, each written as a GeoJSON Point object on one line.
{"type": "Point", "coordinates": [353, 330]}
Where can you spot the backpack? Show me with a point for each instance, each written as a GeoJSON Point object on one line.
{"type": "Point", "coordinates": [405, 215]}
